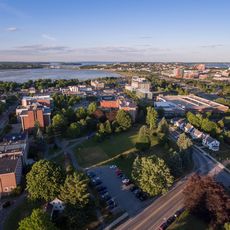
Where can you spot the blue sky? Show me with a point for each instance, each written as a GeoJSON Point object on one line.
{"type": "Point", "coordinates": [115, 30]}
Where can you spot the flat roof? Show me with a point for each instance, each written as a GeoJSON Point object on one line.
{"type": "Point", "coordinates": [192, 102]}
{"type": "Point", "coordinates": [8, 164]}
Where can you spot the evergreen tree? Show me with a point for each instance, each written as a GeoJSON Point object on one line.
{"type": "Point", "coordinates": [108, 128]}
{"type": "Point", "coordinates": [38, 220]}
{"type": "Point", "coordinates": [151, 117]}
{"type": "Point", "coordinates": [143, 140]}
{"type": "Point", "coordinates": [74, 191]}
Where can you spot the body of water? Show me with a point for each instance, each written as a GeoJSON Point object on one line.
{"type": "Point", "coordinates": [23, 75]}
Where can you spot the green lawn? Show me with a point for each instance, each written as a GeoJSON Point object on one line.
{"type": "Point", "coordinates": [20, 212]}
{"type": "Point", "coordinates": [188, 222]}
{"type": "Point", "coordinates": [91, 152]}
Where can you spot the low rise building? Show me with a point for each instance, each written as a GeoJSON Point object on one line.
{"type": "Point", "coordinates": [35, 113]}
{"type": "Point", "coordinates": [97, 84]}
{"type": "Point", "coordinates": [45, 100]}
{"type": "Point", "coordinates": [211, 143]}
{"type": "Point", "coordinates": [15, 145]}
{"type": "Point", "coordinates": [10, 173]}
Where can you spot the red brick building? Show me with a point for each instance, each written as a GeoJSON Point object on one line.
{"type": "Point", "coordinates": [109, 102]}
{"type": "Point", "coordinates": [35, 114]}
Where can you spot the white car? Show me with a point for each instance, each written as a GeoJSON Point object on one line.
{"type": "Point", "coordinates": [112, 166]}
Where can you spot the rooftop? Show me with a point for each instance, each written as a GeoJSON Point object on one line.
{"type": "Point", "coordinates": [8, 164]}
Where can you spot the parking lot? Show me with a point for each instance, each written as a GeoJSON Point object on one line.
{"type": "Point", "coordinates": [124, 198]}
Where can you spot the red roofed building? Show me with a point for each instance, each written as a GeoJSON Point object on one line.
{"type": "Point", "coordinates": [109, 102]}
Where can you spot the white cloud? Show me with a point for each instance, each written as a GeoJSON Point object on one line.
{"type": "Point", "coordinates": [11, 29]}
{"type": "Point", "coordinates": [48, 37]}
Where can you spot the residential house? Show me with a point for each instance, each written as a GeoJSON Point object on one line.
{"type": "Point", "coordinates": [196, 134]}
{"type": "Point", "coordinates": [54, 207]}
{"type": "Point", "coordinates": [180, 123]}
{"type": "Point", "coordinates": [211, 143]}
{"type": "Point", "coordinates": [188, 128]}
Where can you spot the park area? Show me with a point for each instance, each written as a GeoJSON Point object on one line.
{"type": "Point", "coordinates": [90, 152]}
{"type": "Point", "coordinates": [119, 149]}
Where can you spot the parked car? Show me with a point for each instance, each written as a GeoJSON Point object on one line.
{"type": "Point", "coordinates": [125, 181]}
{"type": "Point", "coordinates": [163, 226]}
{"type": "Point", "coordinates": [110, 202]}
{"type": "Point", "coordinates": [106, 197]}
{"type": "Point", "coordinates": [7, 203]}
{"type": "Point", "coordinates": [143, 196]}
{"type": "Point", "coordinates": [179, 212]}
{"type": "Point", "coordinates": [91, 174]}
{"type": "Point", "coordinates": [113, 166]}
{"type": "Point", "coordinates": [112, 206]}
{"type": "Point", "coordinates": [96, 181]}
{"type": "Point", "coordinates": [103, 192]}
{"type": "Point", "coordinates": [133, 188]}
{"type": "Point", "coordinates": [101, 188]}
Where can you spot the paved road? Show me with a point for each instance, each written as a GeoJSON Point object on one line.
{"type": "Point", "coordinates": [165, 206]}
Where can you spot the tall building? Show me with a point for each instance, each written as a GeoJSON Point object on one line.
{"type": "Point", "coordinates": [200, 67]}
{"type": "Point", "coordinates": [140, 83]}
{"type": "Point", "coordinates": [179, 72]}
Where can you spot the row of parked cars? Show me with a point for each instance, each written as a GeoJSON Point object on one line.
{"type": "Point", "coordinates": [171, 219]}
{"type": "Point", "coordinates": [102, 190]}
{"type": "Point", "coordinates": [139, 194]}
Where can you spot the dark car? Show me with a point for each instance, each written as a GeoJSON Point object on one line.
{"type": "Point", "coordinates": [110, 202]}
{"type": "Point", "coordinates": [143, 196]}
{"type": "Point", "coordinates": [101, 188]}
{"type": "Point", "coordinates": [6, 204]}
{"type": "Point", "coordinates": [133, 188]}
{"type": "Point", "coordinates": [106, 197]}
{"type": "Point", "coordinates": [179, 212]}
{"type": "Point", "coordinates": [103, 192]}
{"type": "Point", "coordinates": [91, 174]}
{"type": "Point", "coordinates": [163, 226]}
{"type": "Point", "coordinates": [112, 206]}
{"type": "Point", "coordinates": [170, 220]}
{"type": "Point", "coordinates": [96, 181]}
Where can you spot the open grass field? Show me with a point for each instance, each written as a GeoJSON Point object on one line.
{"type": "Point", "coordinates": [20, 212]}
{"type": "Point", "coordinates": [188, 222]}
{"type": "Point", "coordinates": [91, 152]}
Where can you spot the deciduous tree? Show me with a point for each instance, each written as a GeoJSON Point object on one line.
{"type": "Point", "coordinates": [123, 119]}
{"type": "Point", "coordinates": [152, 175]}
{"type": "Point", "coordinates": [184, 142]}
{"type": "Point", "coordinates": [44, 180]}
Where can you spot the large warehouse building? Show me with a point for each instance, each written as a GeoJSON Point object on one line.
{"type": "Point", "coordinates": [180, 104]}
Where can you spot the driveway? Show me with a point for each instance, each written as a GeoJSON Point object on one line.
{"type": "Point", "coordinates": [125, 198]}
